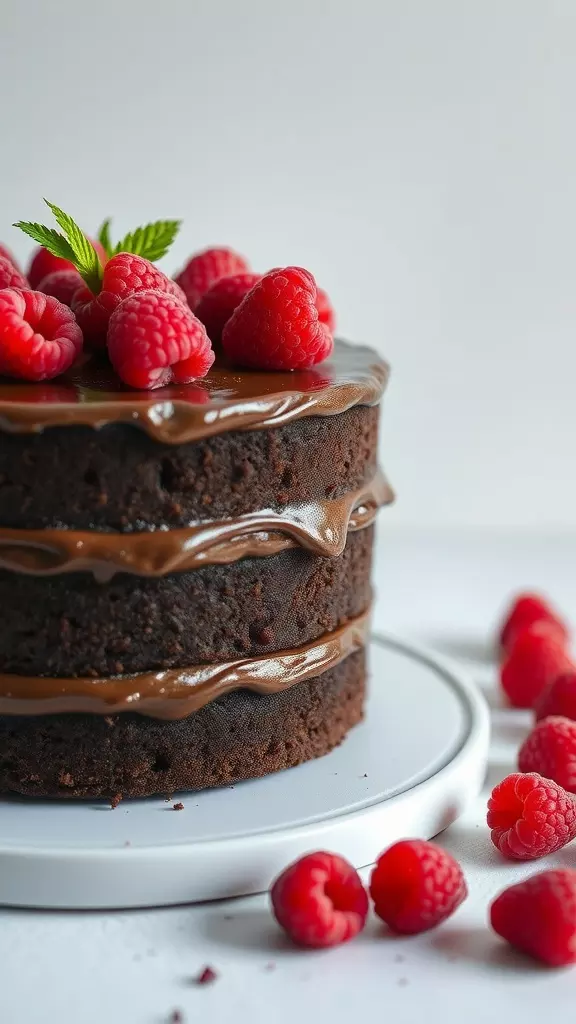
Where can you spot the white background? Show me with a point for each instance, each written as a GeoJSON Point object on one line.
{"type": "Point", "coordinates": [419, 156]}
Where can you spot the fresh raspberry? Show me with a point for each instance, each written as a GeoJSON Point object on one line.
{"type": "Point", "coordinates": [416, 885]}
{"type": "Point", "coordinates": [320, 901]}
{"type": "Point", "coordinates": [536, 658]}
{"type": "Point", "coordinates": [39, 337]}
{"type": "Point", "coordinates": [326, 314]}
{"type": "Point", "coordinates": [7, 255]}
{"type": "Point", "coordinates": [44, 263]}
{"type": "Point", "coordinates": [10, 276]}
{"type": "Point", "coordinates": [550, 750]}
{"type": "Point", "coordinates": [219, 302]}
{"type": "Point", "coordinates": [530, 816]}
{"type": "Point", "coordinates": [525, 610]}
{"type": "Point", "coordinates": [154, 339]}
{"type": "Point", "coordinates": [538, 916]}
{"type": "Point", "coordinates": [123, 275]}
{"type": "Point", "coordinates": [207, 267]}
{"type": "Point", "coordinates": [276, 327]}
{"type": "Point", "coordinates": [559, 698]}
{"type": "Point", "coordinates": [62, 284]}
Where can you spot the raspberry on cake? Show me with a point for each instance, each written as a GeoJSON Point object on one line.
{"type": "Point", "coordinates": [277, 325]}
{"type": "Point", "coordinates": [39, 337]}
{"type": "Point", "coordinates": [217, 305]}
{"type": "Point", "coordinates": [154, 339]}
{"type": "Point", "coordinates": [205, 268]}
{"type": "Point", "coordinates": [62, 284]}
{"type": "Point", "coordinates": [10, 276]}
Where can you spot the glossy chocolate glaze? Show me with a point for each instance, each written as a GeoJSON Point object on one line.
{"type": "Point", "coordinates": [177, 693]}
{"type": "Point", "coordinates": [227, 399]}
{"type": "Point", "coordinates": [319, 526]}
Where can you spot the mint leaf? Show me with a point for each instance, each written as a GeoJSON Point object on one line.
{"type": "Point", "coordinates": [151, 242]}
{"type": "Point", "coordinates": [49, 238]}
{"type": "Point", "coordinates": [104, 237]}
{"type": "Point", "coordinates": [86, 258]}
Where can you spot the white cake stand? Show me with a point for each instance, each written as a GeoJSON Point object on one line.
{"type": "Point", "coordinates": [408, 770]}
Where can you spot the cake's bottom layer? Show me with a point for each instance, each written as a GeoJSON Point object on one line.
{"type": "Point", "coordinates": [241, 736]}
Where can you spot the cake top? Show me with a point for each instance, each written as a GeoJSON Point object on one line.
{"type": "Point", "coordinates": [90, 394]}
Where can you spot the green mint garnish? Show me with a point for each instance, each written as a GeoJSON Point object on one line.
{"type": "Point", "coordinates": [72, 245]}
{"type": "Point", "coordinates": [104, 237]}
{"type": "Point", "coordinates": [151, 242]}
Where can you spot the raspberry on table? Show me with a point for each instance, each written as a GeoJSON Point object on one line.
{"type": "Point", "coordinates": [205, 268]}
{"type": "Point", "coordinates": [527, 609]}
{"type": "Point", "coordinates": [276, 326]}
{"type": "Point", "coordinates": [326, 314]}
{"type": "Point", "coordinates": [44, 263]}
{"type": "Point", "coordinates": [530, 816]}
{"type": "Point", "coordinates": [559, 698]}
{"type": "Point", "coordinates": [550, 749]}
{"type": "Point", "coordinates": [538, 916]}
{"type": "Point", "coordinates": [124, 274]}
{"type": "Point", "coordinates": [217, 305]}
{"type": "Point", "coordinates": [320, 901]}
{"type": "Point", "coordinates": [536, 658]}
{"type": "Point", "coordinates": [10, 276]}
{"type": "Point", "coordinates": [39, 336]}
{"type": "Point", "coordinates": [154, 339]}
{"type": "Point", "coordinates": [62, 284]}
{"type": "Point", "coordinates": [416, 885]}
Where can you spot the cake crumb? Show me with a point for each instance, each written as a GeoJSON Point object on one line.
{"type": "Point", "coordinates": [270, 966]}
{"type": "Point", "coordinates": [115, 800]}
{"type": "Point", "coordinates": [127, 842]}
{"type": "Point", "coordinates": [206, 977]}
{"type": "Point", "coordinates": [178, 807]}
{"type": "Point", "coordinates": [65, 779]}
{"type": "Point", "coordinates": [176, 1017]}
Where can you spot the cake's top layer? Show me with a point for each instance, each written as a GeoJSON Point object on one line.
{"type": "Point", "coordinates": [227, 399]}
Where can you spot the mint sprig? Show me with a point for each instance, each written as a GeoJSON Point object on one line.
{"type": "Point", "coordinates": [151, 242]}
{"type": "Point", "coordinates": [104, 237]}
{"type": "Point", "coordinates": [72, 245]}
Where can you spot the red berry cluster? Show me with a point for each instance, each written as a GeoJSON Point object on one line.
{"type": "Point", "coordinates": [321, 901]}
{"type": "Point", "coordinates": [156, 330]}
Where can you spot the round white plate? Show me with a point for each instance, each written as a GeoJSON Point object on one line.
{"type": "Point", "coordinates": [408, 770]}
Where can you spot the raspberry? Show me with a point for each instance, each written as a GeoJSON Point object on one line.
{"type": "Point", "coordinates": [10, 276]}
{"type": "Point", "coordinates": [44, 263]}
{"type": "Point", "coordinates": [550, 750]}
{"type": "Point", "coordinates": [219, 302]}
{"type": "Point", "coordinates": [530, 816]}
{"type": "Point", "coordinates": [7, 255]}
{"type": "Point", "coordinates": [62, 284]}
{"type": "Point", "coordinates": [39, 337]}
{"type": "Point", "coordinates": [535, 660]}
{"type": "Point", "coordinates": [416, 885]}
{"type": "Point", "coordinates": [123, 275]}
{"type": "Point", "coordinates": [559, 698]}
{"type": "Point", "coordinates": [207, 267]}
{"type": "Point", "coordinates": [276, 327]}
{"type": "Point", "coordinates": [326, 314]}
{"type": "Point", "coordinates": [154, 339]}
{"type": "Point", "coordinates": [525, 610]}
{"type": "Point", "coordinates": [538, 916]}
{"type": "Point", "coordinates": [320, 901]}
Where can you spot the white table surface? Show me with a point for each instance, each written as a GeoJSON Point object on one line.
{"type": "Point", "coordinates": [136, 967]}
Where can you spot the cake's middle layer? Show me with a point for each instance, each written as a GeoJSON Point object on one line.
{"type": "Point", "coordinates": [71, 625]}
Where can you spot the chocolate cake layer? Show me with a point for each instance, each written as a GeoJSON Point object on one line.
{"type": "Point", "coordinates": [240, 736]}
{"type": "Point", "coordinates": [70, 624]}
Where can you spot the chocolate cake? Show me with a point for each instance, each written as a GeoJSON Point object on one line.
{"type": "Point", "coordinates": [184, 574]}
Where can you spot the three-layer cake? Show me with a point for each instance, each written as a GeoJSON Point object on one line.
{"type": "Point", "coordinates": [184, 575]}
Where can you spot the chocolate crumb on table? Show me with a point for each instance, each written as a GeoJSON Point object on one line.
{"type": "Point", "coordinates": [115, 800]}
{"type": "Point", "coordinates": [178, 807]}
{"type": "Point", "coordinates": [176, 1017]}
